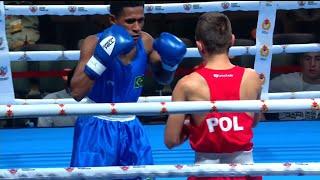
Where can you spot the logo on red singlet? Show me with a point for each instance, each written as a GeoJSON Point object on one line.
{"type": "Point", "coordinates": [223, 75]}
{"type": "Point", "coordinates": [225, 124]}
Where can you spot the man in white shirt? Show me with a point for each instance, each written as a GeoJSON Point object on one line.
{"type": "Point", "coordinates": [59, 121]}
{"type": "Point", "coordinates": [306, 80]}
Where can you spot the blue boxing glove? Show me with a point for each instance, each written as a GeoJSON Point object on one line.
{"type": "Point", "coordinates": [171, 50]}
{"type": "Point", "coordinates": [112, 42]}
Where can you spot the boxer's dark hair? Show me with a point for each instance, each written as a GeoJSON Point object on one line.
{"type": "Point", "coordinates": [214, 30]}
{"type": "Point", "coordinates": [116, 7]}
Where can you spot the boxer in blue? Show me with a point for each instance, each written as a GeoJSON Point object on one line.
{"type": "Point", "coordinates": [111, 70]}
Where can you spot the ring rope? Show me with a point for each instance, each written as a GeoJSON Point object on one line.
{"type": "Point", "coordinates": [166, 170]}
{"type": "Point", "coordinates": [257, 169]}
{"type": "Point", "coordinates": [191, 52]}
{"type": "Point", "coordinates": [284, 95]}
{"type": "Point", "coordinates": [159, 108]}
{"type": "Point", "coordinates": [38, 10]}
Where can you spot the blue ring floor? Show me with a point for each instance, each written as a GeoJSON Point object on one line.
{"type": "Point", "coordinates": [281, 141]}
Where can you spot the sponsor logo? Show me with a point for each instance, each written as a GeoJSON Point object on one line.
{"type": "Point", "coordinates": [158, 8]}
{"type": "Point", "coordinates": [222, 75]}
{"type": "Point", "coordinates": [82, 9]}
{"type": "Point", "coordinates": [72, 9]}
{"type": "Point", "coordinates": [187, 7]}
{"type": "Point", "coordinates": [235, 5]}
{"type": "Point", "coordinates": [43, 8]}
{"type": "Point", "coordinates": [266, 24]}
{"type": "Point", "coordinates": [312, 3]}
{"type": "Point", "coordinates": [1, 43]}
{"type": "Point", "coordinates": [138, 82]}
{"type": "Point", "coordinates": [264, 51]}
{"type": "Point", "coordinates": [108, 44]}
{"type": "Point", "coordinates": [149, 8]}
{"type": "Point", "coordinates": [33, 9]}
{"type": "Point", "coordinates": [225, 5]}
{"type": "Point", "coordinates": [3, 71]}
{"type": "Point", "coordinates": [196, 6]}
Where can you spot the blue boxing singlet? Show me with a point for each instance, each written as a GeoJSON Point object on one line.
{"type": "Point", "coordinates": [114, 140]}
{"type": "Point", "coordinates": [120, 82]}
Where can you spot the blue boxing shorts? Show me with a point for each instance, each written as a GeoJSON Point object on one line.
{"type": "Point", "coordinates": [110, 141]}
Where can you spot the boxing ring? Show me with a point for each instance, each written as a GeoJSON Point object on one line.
{"type": "Point", "coordinates": [287, 148]}
{"type": "Point", "coordinates": [51, 147]}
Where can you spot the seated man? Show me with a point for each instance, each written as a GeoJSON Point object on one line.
{"type": "Point", "coordinates": [306, 80]}
{"type": "Point", "coordinates": [59, 121]}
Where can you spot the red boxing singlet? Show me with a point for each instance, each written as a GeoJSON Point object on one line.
{"type": "Point", "coordinates": [222, 132]}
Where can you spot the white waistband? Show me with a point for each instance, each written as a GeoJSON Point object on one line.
{"type": "Point", "coordinates": [217, 158]}
{"type": "Point", "coordinates": [120, 118]}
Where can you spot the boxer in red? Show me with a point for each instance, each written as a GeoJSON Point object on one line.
{"type": "Point", "coordinates": [216, 137]}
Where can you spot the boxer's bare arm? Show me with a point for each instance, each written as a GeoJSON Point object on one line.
{"type": "Point", "coordinates": [251, 87]}
{"type": "Point", "coordinates": [81, 83]}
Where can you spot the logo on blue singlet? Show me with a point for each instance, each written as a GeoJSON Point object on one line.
{"type": "Point", "coordinates": [138, 82]}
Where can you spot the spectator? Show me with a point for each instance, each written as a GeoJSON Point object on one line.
{"type": "Point", "coordinates": [306, 80]}
{"type": "Point", "coordinates": [59, 121]}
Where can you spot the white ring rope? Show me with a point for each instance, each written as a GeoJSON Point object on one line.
{"type": "Point", "coordinates": [191, 52]}
{"type": "Point", "coordinates": [159, 108]}
{"type": "Point", "coordinates": [257, 169]}
{"type": "Point", "coordinates": [38, 10]}
{"type": "Point", "coordinates": [284, 95]}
